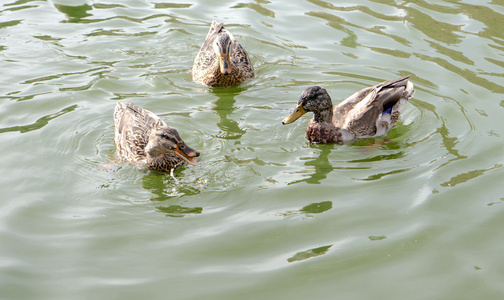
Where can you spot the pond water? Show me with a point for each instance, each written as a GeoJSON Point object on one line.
{"type": "Point", "coordinates": [263, 215]}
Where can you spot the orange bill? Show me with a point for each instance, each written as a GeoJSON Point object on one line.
{"type": "Point", "coordinates": [225, 63]}
{"type": "Point", "coordinates": [186, 153]}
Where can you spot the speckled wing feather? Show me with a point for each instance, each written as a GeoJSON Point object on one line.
{"type": "Point", "coordinates": [241, 59]}
{"type": "Point", "coordinates": [206, 55]}
{"type": "Point", "coordinates": [132, 125]}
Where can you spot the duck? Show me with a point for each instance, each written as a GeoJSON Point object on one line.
{"type": "Point", "coordinates": [143, 139]}
{"type": "Point", "coordinates": [221, 61]}
{"type": "Point", "coordinates": [368, 113]}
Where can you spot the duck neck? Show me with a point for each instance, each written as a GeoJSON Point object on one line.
{"type": "Point", "coordinates": [216, 79]}
{"type": "Point", "coordinates": [164, 162]}
{"type": "Point", "coordinates": [324, 116]}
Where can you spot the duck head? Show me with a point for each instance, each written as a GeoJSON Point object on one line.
{"type": "Point", "coordinates": [313, 99]}
{"type": "Point", "coordinates": [165, 140]}
{"type": "Point", "coordinates": [222, 48]}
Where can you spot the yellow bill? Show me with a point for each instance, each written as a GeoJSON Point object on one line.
{"type": "Point", "coordinates": [296, 114]}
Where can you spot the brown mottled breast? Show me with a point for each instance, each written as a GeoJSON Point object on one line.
{"type": "Point", "coordinates": [322, 133]}
{"type": "Point", "coordinates": [217, 79]}
{"type": "Point", "coordinates": [166, 162]}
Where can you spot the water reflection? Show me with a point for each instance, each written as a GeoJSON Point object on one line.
{"type": "Point", "coordinates": [41, 122]}
{"type": "Point", "coordinates": [163, 187]}
{"type": "Point", "coordinates": [257, 7]}
{"type": "Point", "coordinates": [500, 201]}
{"type": "Point", "coordinates": [377, 237]}
{"type": "Point", "coordinates": [464, 72]}
{"type": "Point", "coordinates": [313, 208]}
{"type": "Point", "coordinates": [449, 143]}
{"type": "Point", "coordinates": [179, 211]}
{"type": "Point", "coordinates": [171, 5]}
{"type": "Point", "coordinates": [484, 14]}
{"type": "Point", "coordinates": [224, 106]}
{"type": "Point", "coordinates": [321, 164]}
{"type": "Point", "coordinates": [74, 13]}
{"type": "Point", "coordinates": [317, 208]}
{"type": "Point", "coordinates": [439, 31]}
{"type": "Point", "coordinates": [309, 253]}
{"type": "Point", "coordinates": [381, 175]}
{"type": "Point", "coordinates": [464, 177]}
{"type": "Point", "coordinates": [341, 24]}
{"type": "Point", "coordinates": [9, 23]}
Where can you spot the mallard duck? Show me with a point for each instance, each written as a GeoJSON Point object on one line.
{"type": "Point", "coordinates": [370, 112]}
{"type": "Point", "coordinates": [142, 138]}
{"type": "Point", "coordinates": [221, 61]}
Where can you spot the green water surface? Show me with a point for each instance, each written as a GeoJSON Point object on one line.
{"type": "Point", "coordinates": [417, 214]}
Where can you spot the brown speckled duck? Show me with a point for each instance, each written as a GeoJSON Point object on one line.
{"type": "Point", "coordinates": [145, 140]}
{"type": "Point", "coordinates": [221, 61]}
{"type": "Point", "coordinates": [370, 112]}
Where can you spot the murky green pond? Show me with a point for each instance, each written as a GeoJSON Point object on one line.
{"type": "Point", "coordinates": [264, 215]}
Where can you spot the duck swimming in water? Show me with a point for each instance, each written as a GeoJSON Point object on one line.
{"type": "Point", "coordinates": [142, 138]}
{"type": "Point", "coordinates": [221, 61]}
{"type": "Point", "coordinates": [368, 113]}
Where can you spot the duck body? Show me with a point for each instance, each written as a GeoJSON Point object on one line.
{"type": "Point", "coordinates": [370, 112]}
{"type": "Point", "coordinates": [221, 61]}
{"type": "Point", "coordinates": [145, 140]}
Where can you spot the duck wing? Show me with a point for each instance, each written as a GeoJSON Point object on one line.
{"type": "Point", "coordinates": [205, 56]}
{"type": "Point", "coordinates": [240, 58]}
{"type": "Point", "coordinates": [132, 127]}
{"type": "Point", "coordinates": [362, 112]}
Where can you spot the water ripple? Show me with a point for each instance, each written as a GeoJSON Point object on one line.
{"type": "Point", "coordinates": [263, 210]}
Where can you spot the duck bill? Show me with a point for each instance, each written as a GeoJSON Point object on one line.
{"type": "Point", "coordinates": [296, 114]}
{"type": "Point", "coordinates": [187, 154]}
{"type": "Point", "coordinates": [225, 63]}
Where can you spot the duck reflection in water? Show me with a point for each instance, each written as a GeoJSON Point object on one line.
{"type": "Point", "coordinates": [321, 164]}
{"type": "Point", "coordinates": [224, 106]}
{"type": "Point", "coordinates": [163, 188]}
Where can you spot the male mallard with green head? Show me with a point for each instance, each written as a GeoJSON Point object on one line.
{"type": "Point", "coordinates": [221, 61]}
{"type": "Point", "coordinates": [142, 138]}
{"type": "Point", "coordinates": [368, 113]}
